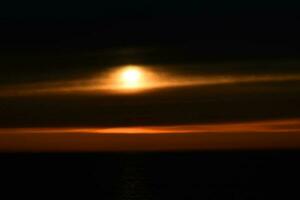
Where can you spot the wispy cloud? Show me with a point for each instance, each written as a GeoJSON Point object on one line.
{"type": "Point", "coordinates": [268, 126]}
{"type": "Point", "coordinates": [103, 85]}
{"type": "Point", "coordinates": [282, 134]}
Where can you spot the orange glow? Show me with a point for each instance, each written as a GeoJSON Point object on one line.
{"type": "Point", "coordinates": [282, 134]}
{"type": "Point", "coordinates": [273, 126]}
{"type": "Point", "coordinates": [131, 79]}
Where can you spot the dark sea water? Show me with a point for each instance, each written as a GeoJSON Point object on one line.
{"type": "Point", "coordinates": [126, 176]}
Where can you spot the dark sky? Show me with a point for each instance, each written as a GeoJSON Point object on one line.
{"type": "Point", "coordinates": [114, 24]}
{"type": "Point", "coordinates": [59, 41]}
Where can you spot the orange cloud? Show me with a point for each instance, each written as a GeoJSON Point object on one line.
{"type": "Point", "coordinates": [107, 83]}
{"type": "Point", "coordinates": [242, 135]}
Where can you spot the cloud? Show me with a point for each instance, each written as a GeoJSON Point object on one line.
{"type": "Point", "coordinates": [106, 84]}
{"type": "Point", "coordinates": [273, 134]}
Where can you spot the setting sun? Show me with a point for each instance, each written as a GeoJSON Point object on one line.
{"type": "Point", "coordinates": [131, 77]}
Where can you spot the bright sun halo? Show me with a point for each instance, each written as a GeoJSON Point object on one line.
{"type": "Point", "coordinates": [131, 77]}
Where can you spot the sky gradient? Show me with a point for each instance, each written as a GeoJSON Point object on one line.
{"type": "Point", "coordinates": [230, 70]}
{"type": "Point", "coordinates": [197, 108]}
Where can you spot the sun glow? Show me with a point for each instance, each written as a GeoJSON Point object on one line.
{"type": "Point", "coordinates": [131, 77]}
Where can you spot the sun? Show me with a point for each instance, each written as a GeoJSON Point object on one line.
{"type": "Point", "coordinates": [131, 77]}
